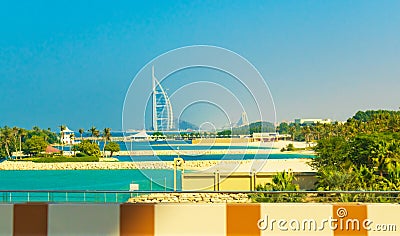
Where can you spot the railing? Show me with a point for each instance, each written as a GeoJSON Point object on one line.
{"type": "Point", "coordinates": [83, 196]}
{"type": "Point", "coordinates": [60, 196]}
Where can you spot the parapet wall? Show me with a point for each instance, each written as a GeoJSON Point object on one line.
{"type": "Point", "coordinates": [199, 219]}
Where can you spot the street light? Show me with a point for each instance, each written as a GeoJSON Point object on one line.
{"type": "Point", "coordinates": [178, 163]}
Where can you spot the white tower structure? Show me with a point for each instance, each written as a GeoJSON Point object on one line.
{"type": "Point", "coordinates": [163, 118]}
{"type": "Point", "coordinates": [243, 120]}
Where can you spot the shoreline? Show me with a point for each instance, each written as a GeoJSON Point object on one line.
{"type": "Point", "coordinates": [263, 165]}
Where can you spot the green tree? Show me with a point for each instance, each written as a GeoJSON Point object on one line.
{"type": "Point", "coordinates": [35, 145]}
{"type": "Point", "coordinates": [5, 140]}
{"type": "Point", "coordinates": [112, 147]}
{"type": "Point", "coordinates": [224, 133]}
{"type": "Point", "coordinates": [283, 128]}
{"type": "Point", "coordinates": [158, 135]}
{"type": "Point", "coordinates": [88, 148]}
{"type": "Point", "coordinates": [331, 178]}
{"type": "Point", "coordinates": [13, 139]}
{"type": "Point", "coordinates": [361, 154]}
{"type": "Point", "coordinates": [331, 151]}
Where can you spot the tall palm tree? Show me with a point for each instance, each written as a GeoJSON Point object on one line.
{"type": "Point", "coordinates": [92, 131]}
{"type": "Point", "coordinates": [306, 132]}
{"type": "Point", "coordinates": [81, 131]}
{"type": "Point", "coordinates": [62, 129]}
{"type": "Point", "coordinates": [292, 131]}
{"type": "Point", "coordinates": [14, 136]}
{"type": "Point", "coordinates": [96, 135]}
{"type": "Point", "coordinates": [21, 134]}
{"type": "Point", "coordinates": [71, 138]}
{"type": "Point", "coordinates": [107, 137]}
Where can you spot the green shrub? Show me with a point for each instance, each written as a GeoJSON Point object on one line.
{"type": "Point", "coordinates": [66, 159]}
{"type": "Point", "coordinates": [81, 154]}
{"type": "Point", "coordinates": [282, 181]}
{"type": "Point", "coordinates": [290, 147]}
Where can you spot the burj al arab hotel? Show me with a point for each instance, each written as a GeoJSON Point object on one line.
{"type": "Point", "coordinates": [163, 118]}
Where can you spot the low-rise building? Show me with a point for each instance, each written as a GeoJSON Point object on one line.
{"type": "Point", "coordinates": [312, 121]}
{"type": "Point", "coordinates": [268, 137]}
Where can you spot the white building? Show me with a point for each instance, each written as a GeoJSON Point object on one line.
{"type": "Point", "coordinates": [312, 121]}
{"type": "Point", "coordinates": [67, 136]}
{"type": "Point", "coordinates": [142, 135]}
{"type": "Point", "coordinates": [268, 137]}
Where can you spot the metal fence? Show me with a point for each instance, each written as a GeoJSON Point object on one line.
{"type": "Point", "coordinates": [82, 196]}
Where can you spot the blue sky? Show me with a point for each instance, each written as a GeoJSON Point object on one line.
{"type": "Point", "coordinates": [71, 62]}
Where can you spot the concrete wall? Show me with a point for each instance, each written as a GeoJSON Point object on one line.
{"type": "Point", "coordinates": [197, 182]}
{"type": "Point", "coordinates": [200, 219]}
{"type": "Point", "coordinates": [6, 220]}
{"type": "Point", "coordinates": [239, 181]}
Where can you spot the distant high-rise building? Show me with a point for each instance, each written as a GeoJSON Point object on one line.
{"type": "Point", "coordinates": [162, 109]}
{"type": "Point", "coordinates": [243, 120]}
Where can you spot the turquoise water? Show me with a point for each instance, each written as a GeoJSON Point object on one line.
{"type": "Point", "coordinates": [84, 179]}
{"type": "Point", "coordinates": [170, 145]}
{"type": "Point", "coordinates": [111, 180]}
{"type": "Point", "coordinates": [214, 157]}
{"type": "Point", "coordinates": [97, 180]}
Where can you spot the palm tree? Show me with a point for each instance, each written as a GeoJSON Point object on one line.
{"type": "Point", "coordinates": [92, 131]}
{"type": "Point", "coordinates": [81, 131]}
{"type": "Point", "coordinates": [36, 128]}
{"type": "Point", "coordinates": [72, 136]}
{"type": "Point", "coordinates": [96, 134]}
{"type": "Point", "coordinates": [282, 181]}
{"type": "Point", "coordinates": [292, 131]}
{"type": "Point", "coordinates": [306, 132]}
{"type": "Point", "coordinates": [21, 133]}
{"type": "Point", "coordinates": [107, 137]}
{"type": "Point", "coordinates": [62, 128]}
{"type": "Point", "coordinates": [14, 135]}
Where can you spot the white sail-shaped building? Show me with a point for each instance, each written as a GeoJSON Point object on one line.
{"type": "Point", "coordinates": [163, 118]}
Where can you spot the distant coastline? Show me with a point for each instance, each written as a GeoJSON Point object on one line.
{"type": "Point", "coordinates": [273, 148]}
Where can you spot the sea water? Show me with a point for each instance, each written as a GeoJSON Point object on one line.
{"type": "Point", "coordinates": [89, 180]}
{"type": "Point", "coordinates": [214, 157]}
{"type": "Point", "coordinates": [170, 145]}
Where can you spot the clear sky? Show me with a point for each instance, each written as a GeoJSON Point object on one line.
{"type": "Point", "coordinates": [71, 62]}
